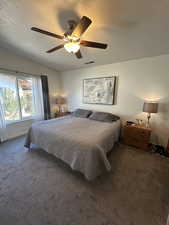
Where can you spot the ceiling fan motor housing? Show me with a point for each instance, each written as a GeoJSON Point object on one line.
{"type": "Point", "coordinates": [71, 26]}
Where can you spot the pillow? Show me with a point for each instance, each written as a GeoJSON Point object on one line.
{"type": "Point", "coordinates": [83, 113]}
{"type": "Point", "coordinates": [103, 117]}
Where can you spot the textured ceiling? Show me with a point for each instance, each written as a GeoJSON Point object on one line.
{"type": "Point", "coordinates": [132, 28]}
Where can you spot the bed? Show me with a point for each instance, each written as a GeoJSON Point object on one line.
{"type": "Point", "coordinates": [80, 142]}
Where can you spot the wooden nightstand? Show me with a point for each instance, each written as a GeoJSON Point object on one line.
{"type": "Point", "coordinates": [136, 136]}
{"type": "Point", "coordinates": [62, 114]}
{"type": "Point", "coordinates": [167, 149]}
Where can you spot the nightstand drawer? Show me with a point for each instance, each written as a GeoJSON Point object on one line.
{"type": "Point", "coordinates": [136, 130]}
{"type": "Point", "coordinates": [138, 145]}
{"type": "Point", "coordinates": [139, 138]}
{"type": "Point", "coordinates": [136, 142]}
{"type": "Point", "coordinates": [142, 132]}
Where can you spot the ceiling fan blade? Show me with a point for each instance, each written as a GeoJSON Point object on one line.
{"type": "Point", "coordinates": [78, 54]}
{"type": "Point", "coordinates": [81, 27]}
{"type": "Point", "coordinates": [93, 44]}
{"type": "Point", "coordinates": [47, 33]}
{"type": "Point", "coordinates": [55, 48]}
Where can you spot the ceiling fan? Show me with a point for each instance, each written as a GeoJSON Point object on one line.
{"type": "Point", "coordinates": [72, 37]}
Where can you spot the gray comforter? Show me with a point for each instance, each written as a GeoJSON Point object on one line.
{"type": "Point", "coordinates": [80, 142]}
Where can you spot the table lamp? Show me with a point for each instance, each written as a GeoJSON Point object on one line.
{"type": "Point", "coordinates": [60, 101]}
{"type": "Point", "coordinates": [150, 107]}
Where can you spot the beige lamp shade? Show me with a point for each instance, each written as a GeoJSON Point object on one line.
{"type": "Point", "coordinates": [150, 107]}
{"type": "Point", "coordinates": [60, 100]}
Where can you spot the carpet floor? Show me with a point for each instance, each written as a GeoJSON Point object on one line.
{"type": "Point", "coordinates": [38, 189]}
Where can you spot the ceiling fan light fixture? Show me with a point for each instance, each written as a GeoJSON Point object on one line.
{"type": "Point", "coordinates": [72, 47]}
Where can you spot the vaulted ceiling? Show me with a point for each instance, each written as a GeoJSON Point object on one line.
{"type": "Point", "coordinates": [131, 28]}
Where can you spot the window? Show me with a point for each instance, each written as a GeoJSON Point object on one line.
{"type": "Point", "coordinates": [9, 97]}
{"type": "Point", "coordinates": [19, 97]}
{"type": "Point", "coordinates": [26, 97]}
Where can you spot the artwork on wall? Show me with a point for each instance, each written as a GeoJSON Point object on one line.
{"type": "Point", "coordinates": [99, 90]}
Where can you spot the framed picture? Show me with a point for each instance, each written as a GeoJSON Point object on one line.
{"type": "Point", "coordinates": [99, 90]}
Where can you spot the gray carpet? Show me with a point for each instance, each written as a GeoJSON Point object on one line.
{"type": "Point", "coordinates": [37, 189]}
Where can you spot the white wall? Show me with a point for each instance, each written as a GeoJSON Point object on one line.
{"type": "Point", "coordinates": [138, 80]}
{"type": "Point", "coordinates": [9, 60]}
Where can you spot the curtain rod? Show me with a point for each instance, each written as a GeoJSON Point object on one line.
{"type": "Point", "coordinates": [17, 71]}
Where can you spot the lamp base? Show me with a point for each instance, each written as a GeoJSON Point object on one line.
{"type": "Point", "coordinates": [148, 119]}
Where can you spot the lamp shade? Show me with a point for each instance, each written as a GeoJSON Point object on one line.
{"type": "Point", "coordinates": [150, 107]}
{"type": "Point", "coordinates": [60, 100]}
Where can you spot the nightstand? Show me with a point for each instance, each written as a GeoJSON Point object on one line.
{"type": "Point", "coordinates": [61, 114]}
{"type": "Point", "coordinates": [136, 136]}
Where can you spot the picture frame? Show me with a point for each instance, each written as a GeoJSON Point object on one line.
{"type": "Point", "coordinates": [99, 90]}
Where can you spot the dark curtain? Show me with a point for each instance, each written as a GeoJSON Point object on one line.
{"type": "Point", "coordinates": [46, 103]}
